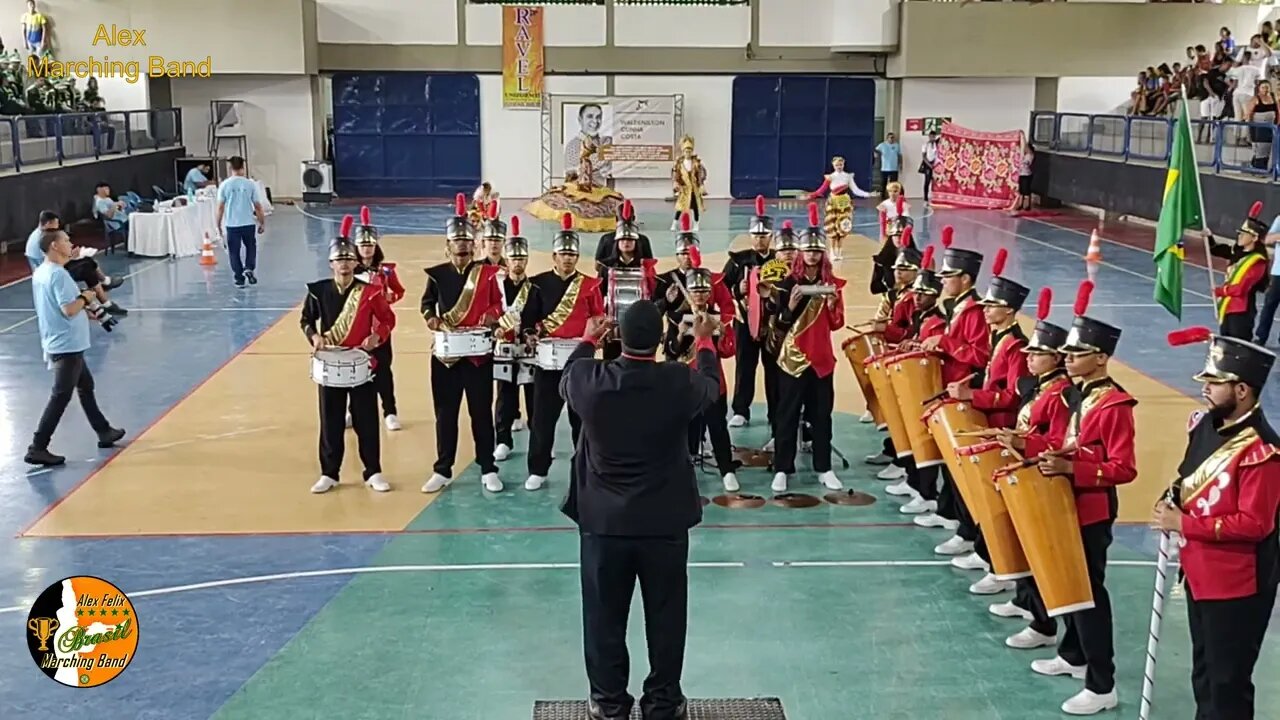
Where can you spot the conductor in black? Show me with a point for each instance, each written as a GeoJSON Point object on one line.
{"type": "Point", "coordinates": [634, 497]}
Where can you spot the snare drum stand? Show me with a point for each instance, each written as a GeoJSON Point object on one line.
{"type": "Point", "coordinates": [844, 461]}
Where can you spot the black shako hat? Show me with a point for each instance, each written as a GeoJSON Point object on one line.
{"type": "Point", "coordinates": [1004, 292]}
{"type": "Point", "coordinates": [641, 328]}
{"type": "Point", "coordinates": [1232, 360]}
{"type": "Point", "coordinates": [957, 261]}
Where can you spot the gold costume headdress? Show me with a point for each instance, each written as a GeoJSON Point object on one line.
{"type": "Point", "coordinates": [686, 143]}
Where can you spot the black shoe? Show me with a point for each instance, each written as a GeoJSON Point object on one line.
{"type": "Point", "coordinates": [114, 309]}
{"type": "Point", "coordinates": [115, 283]}
{"type": "Point", "coordinates": [595, 713]}
{"type": "Point", "coordinates": [108, 437]}
{"type": "Point", "coordinates": [253, 279]}
{"type": "Point", "coordinates": [43, 457]}
{"type": "Point", "coordinates": [239, 282]}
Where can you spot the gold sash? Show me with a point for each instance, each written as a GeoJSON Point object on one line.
{"type": "Point", "coordinates": [565, 308]}
{"type": "Point", "coordinates": [462, 307]}
{"type": "Point", "coordinates": [337, 333]}
{"type": "Point", "coordinates": [791, 358]}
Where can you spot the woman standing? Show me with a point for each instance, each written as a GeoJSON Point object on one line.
{"type": "Point", "coordinates": [1025, 170]}
{"type": "Point", "coordinates": [838, 222]}
{"type": "Point", "coordinates": [1261, 109]}
{"type": "Point", "coordinates": [375, 271]}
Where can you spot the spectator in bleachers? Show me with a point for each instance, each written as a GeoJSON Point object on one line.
{"type": "Point", "coordinates": [1261, 109]}
{"type": "Point", "coordinates": [197, 177]}
{"type": "Point", "coordinates": [1228, 43]}
{"type": "Point", "coordinates": [83, 268]}
{"type": "Point", "coordinates": [1259, 53]}
{"type": "Point", "coordinates": [35, 30]}
{"type": "Point", "coordinates": [1215, 106]}
{"type": "Point", "coordinates": [1268, 35]}
{"type": "Point", "coordinates": [1242, 79]}
{"type": "Point", "coordinates": [110, 212]}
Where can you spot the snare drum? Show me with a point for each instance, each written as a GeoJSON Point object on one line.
{"type": "Point", "coordinates": [513, 371]}
{"type": "Point", "coordinates": [510, 351]}
{"type": "Point", "coordinates": [916, 377]}
{"type": "Point", "coordinates": [341, 368]}
{"type": "Point", "coordinates": [877, 372]}
{"type": "Point", "coordinates": [947, 418]}
{"type": "Point", "coordinates": [857, 349]}
{"type": "Point", "coordinates": [462, 343]}
{"type": "Point", "coordinates": [981, 462]}
{"type": "Point", "coordinates": [1043, 510]}
{"type": "Point", "coordinates": [626, 286]}
{"type": "Point", "coordinates": [553, 353]}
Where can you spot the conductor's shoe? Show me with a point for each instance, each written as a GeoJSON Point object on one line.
{"type": "Point", "coordinates": [107, 438]}
{"type": "Point", "coordinates": [595, 713]}
{"type": "Point", "coordinates": [36, 456]}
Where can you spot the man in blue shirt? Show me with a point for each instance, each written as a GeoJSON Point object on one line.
{"type": "Point", "coordinates": [197, 177]}
{"type": "Point", "coordinates": [62, 311]}
{"type": "Point", "coordinates": [110, 212]}
{"type": "Point", "coordinates": [890, 153]}
{"type": "Point", "coordinates": [82, 269]}
{"type": "Point", "coordinates": [240, 215]}
{"type": "Point", "coordinates": [1270, 301]}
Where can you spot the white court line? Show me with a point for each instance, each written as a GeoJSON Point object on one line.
{"type": "Point", "coordinates": [133, 310]}
{"type": "Point", "coordinates": [205, 438]}
{"type": "Point", "coordinates": [487, 567]}
{"type": "Point", "coordinates": [135, 273]}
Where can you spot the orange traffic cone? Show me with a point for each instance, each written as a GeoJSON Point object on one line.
{"type": "Point", "coordinates": [206, 252]}
{"type": "Point", "coordinates": [1095, 248]}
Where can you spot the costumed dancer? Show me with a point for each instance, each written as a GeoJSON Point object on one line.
{"type": "Point", "coordinates": [594, 207]}
{"type": "Point", "coordinates": [341, 312]}
{"type": "Point", "coordinates": [680, 347]}
{"type": "Point", "coordinates": [375, 271]}
{"type": "Point", "coordinates": [1097, 455]}
{"type": "Point", "coordinates": [1237, 298]}
{"type": "Point", "coordinates": [838, 223]}
{"type": "Point", "coordinates": [811, 309]}
{"type": "Point", "coordinates": [516, 289]}
{"type": "Point", "coordinates": [493, 233]}
{"type": "Point", "coordinates": [739, 268]}
{"type": "Point", "coordinates": [1043, 417]}
{"type": "Point", "coordinates": [997, 397]}
{"type": "Point", "coordinates": [607, 245]}
{"type": "Point", "coordinates": [626, 256]}
{"type": "Point", "coordinates": [965, 348]}
{"type": "Point", "coordinates": [894, 223]}
{"type": "Point", "coordinates": [462, 294]}
{"type": "Point", "coordinates": [480, 201]}
{"type": "Point", "coordinates": [786, 246]}
{"type": "Point", "coordinates": [892, 322]}
{"type": "Point", "coordinates": [560, 303]}
{"type": "Point", "coordinates": [1224, 506]}
{"type": "Point", "coordinates": [689, 183]}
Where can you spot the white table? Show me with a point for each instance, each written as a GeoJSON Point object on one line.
{"type": "Point", "coordinates": [170, 231]}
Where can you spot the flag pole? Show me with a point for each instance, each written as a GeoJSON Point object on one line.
{"type": "Point", "coordinates": [1204, 217]}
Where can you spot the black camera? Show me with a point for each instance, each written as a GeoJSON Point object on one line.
{"type": "Point", "coordinates": [105, 319]}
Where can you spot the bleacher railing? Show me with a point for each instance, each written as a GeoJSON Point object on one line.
{"type": "Point", "coordinates": [31, 140]}
{"type": "Point", "coordinates": [1222, 146]}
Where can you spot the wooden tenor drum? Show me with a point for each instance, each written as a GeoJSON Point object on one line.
{"type": "Point", "coordinates": [981, 463]}
{"type": "Point", "coordinates": [877, 372]}
{"type": "Point", "coordinates": [917, 377]}
{"type": "Point", "coordinates": [1043, 510]}
{"type": "Point", "coordinates": [947, 419]}
{"type": "Point", "coordinates": [858, 348]}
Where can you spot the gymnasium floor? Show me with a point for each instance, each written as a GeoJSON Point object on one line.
{"type": "Point", "coordinates": [256, 599]}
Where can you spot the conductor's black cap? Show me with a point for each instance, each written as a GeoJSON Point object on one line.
{"type": "Point", "coordinates": [641, 328]}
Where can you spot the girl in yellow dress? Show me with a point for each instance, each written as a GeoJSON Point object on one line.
{"type": "Point", "coordinates": [838, 222]}
{"type": "Point", "coordinates": [594, 208]}
{"type": "Point", "coordinates": [689, 181]}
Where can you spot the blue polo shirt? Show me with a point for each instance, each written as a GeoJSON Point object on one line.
{"type": "Point", "coordinates": [889, 154]}
{"type": "Point", "coordinates": [51, 288]}
{"type": "Point", "coordinates": [34, 256]}
{"type": "Point", "coordinates": [239, 194]}
{"type": "Point", "coordinates": [193, 179]}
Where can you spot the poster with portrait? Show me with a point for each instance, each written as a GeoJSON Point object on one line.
{"type": "Point", "coordinates": [618, 137]}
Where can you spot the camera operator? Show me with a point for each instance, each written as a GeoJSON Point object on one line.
{"type": "Point", "coordinates": [63, 312]}
{"type": "Point", "coordinates": [83, 269]}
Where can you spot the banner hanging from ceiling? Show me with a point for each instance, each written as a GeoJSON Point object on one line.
{"type": "Point", "coordinates": [523, 57]}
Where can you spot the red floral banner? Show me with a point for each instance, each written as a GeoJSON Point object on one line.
{"type": "Point", "coordinates": [977, 169]}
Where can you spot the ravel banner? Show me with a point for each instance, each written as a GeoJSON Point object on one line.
{"type": "Point", "coordinates": [620, 137]}
{"type": "Point", "coordinates": [976, 169]}
{"type": "Point", "coordinates": [523, 56]}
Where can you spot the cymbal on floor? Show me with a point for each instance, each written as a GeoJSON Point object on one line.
{"type": "Point", "coordinates": [735, 501]}
{"type": "Point", "coordinates": [752, 457]}
{"type": "Point", "coordinates": [849, 497]}
{"type": "Point", "coordinates": [704, 500]}
{"type": "Point", "coordinates": [795, 500]}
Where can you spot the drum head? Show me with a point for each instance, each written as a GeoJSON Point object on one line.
{"type": "Point", "coordinates": [795, 500]}
{"type": "Point", "coordinates": [849, 497]}
{"type": "Point", "coordinates": [751, 457]}
{"type": "Point", "coordinates": [735, 501]}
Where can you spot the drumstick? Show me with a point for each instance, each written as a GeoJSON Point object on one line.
{"type": "Point", "coordinates": [943, 394]}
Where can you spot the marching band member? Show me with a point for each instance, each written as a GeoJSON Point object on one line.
{"type": "Point", "coordinates": [998, 396]}
{"type": "Point", "coordinates": [839, 216]}
{"type": "Point", "coordinates": [894, 225]}
{"type": "Point", "coordinates": [516, 289]}
{"type": "Point", "coordinates": [1043, 415]}
{"type": "Point", "coordinates": [1224, 506]}
{"type": "Point", "coordinates": [462, 293]}
{"type": "Point", "coordinates": [786, 246]}
{"type": "Point", "coordinates": [670, 299]}
{"type": "Point", "coordinates": [342, 312]}
{"type": "Point", "coordinates": [560, 303]}
{"type": "Point", "coordinates": [627, 226]}
{"type": "Point", "coordinates": [806, 360]}
{"type": "Point", "coordinates": [626, 256]}
{"type": "Point", "coordinates": [927, 321]}
{"type": "Point", "coordinates": [1098, 455]}
{"type": "Point", "coordinates": [493, 233]}
{"type": "Point", "coordinates": [965, 348]}
{"type": "Point", "coordinates": [375, 271]}
{"type": "Point", "coordinates": [737, 271]}
{"type": "Point", "coordinates": [1237, 298]}
{"type": "Point", "coordinates": [680, 347]}
{"type": "Point", "coordinates": [893, 322]}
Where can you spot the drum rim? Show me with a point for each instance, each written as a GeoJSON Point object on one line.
{"type": "Point", "coordinates": [911, 355]}
{"type": "Point", "coordinates": [977, 448]}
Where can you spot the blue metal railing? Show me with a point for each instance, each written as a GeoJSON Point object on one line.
{"type": "Point", "coordinates": [31, 140]}
{"type": "Point", "coordinates": [1222, 146]}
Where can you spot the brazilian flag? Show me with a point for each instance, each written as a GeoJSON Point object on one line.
{"type": "Point", "coordinates": [1179, 212]}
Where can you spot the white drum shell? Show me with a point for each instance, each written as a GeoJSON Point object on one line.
{"type": "Point", "coordinates": [341, 368]}
{"type": "Point", "coordinates": [453, 344]}
{"type": "Point", "coordinates": [553, 353]}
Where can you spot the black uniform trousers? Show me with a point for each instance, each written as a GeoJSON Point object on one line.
{"type": "Point", "coordinates": [1026, 595]}
{"type": "Point", "coordinates": [951, 506]}
{"type": "Point", "coordinates": [770, 364]}
{"type": "Point", "coordinates": [363, 401]}
{"type": "Point", "coordinates": [814, 397]}
{"type": "Point", "coordinates": [716, 423]}
{"type": "Point", "coordinates": [611, 565]}
{"type": "Point", "coordinates": [1226, 638]}
{"type": "Point", "coordinates": [70, 375]}
{"type": "Point", "coordinates": [506, 409]}
{"type": "Point", "coordinates": [84, 270]}
{"type": "Point", "coordinates": [750, 353]}
{"type": "Point", "coordinates": [1089, 639]}
{"type": "Point", "coordinates": [1239, 326]}
{"type": "Point", "coordinates": [547, 405]}
{"type": "Point", "coordinates": [383, 382]}
{"type": "Point", "coordinates": [448, 385]}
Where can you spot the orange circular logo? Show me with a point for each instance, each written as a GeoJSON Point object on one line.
{"type": "Point", "coordinates": [82, 631]}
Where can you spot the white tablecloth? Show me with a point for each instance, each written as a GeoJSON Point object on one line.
{"type": "Point", "coordinates": [179, 231]}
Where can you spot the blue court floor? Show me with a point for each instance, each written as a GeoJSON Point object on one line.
{"type": "Point", "coordinates": [471, 610]}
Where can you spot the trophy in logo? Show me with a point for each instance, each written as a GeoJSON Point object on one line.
{"type": "Point", "coordinates": [43, 628]}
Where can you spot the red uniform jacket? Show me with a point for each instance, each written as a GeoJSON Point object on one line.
{"type": "Point", "coordinates": [567, 319]}
{"type": "Point", "coordinates": [385, 278]}
{"type": "Point", "coordinates": [367, 308]}
{"type": "Point", "coordinates": [807, 342]}
{"type": "Point", "coordinates": [685, 350]}
{"type": "Point", "coordinates": [932, 324]}
{"type": "Point", "coordinates": [1245, 277]}
{"type": "Point", "coordinates": [998, 396]}
{"type": "Point", "coordinates": [1102, 430]}
{"type": "Point", "coordinates": [1047, 417]}
{"type": "Point", "coordinates": [1229, 502]}
{"type": "Point", "coordinates": [898, 327]}
{"type": "Point", "coordinates": [966, 345]}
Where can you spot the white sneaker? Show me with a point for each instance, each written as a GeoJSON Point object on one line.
{"type": "Point", "coordinates": [931, 519]}
{"type": "Point", "coordinates": [376, 483]}
{"type": "Point", "coordinates": [518, 425]}
{"type": "Point", "coordinates": [918, 506]}
{"type": "Point", "coordinates": [737, 421]}
{"type": "Point", "coordinates": [867, 417]}
{"type": "Point", "coordinates": [955, 545]}
{"type": "Point", "coordinates": [393, 422]}
{"type": "Point", "coordinates": [501, 452]}
{"type": "Point", "coordinates": [989, 585]}
{"type": "Point", "coordinates": [830, 481]}
{"type": "Point", "coordinates": [969, 561]}
{"type": "Point", "coordinates": [1057, 666]}
{"type": "Point", "coordinates": [730, 482]}
{"type": "Point", "coordinates": [436, 483]}
{"type": "Point", "coordinates": [1008, 610]}
{"type": "Point", "coordinates": [1028, 639]}
{"type": "Point", "coordinates": [892, 472]}
{"type": "Point", "coordinates": [1087, 702]}
{"type": "Point", "coordinates": [491, 482]}
{"type": "Point", "coordinates": [901, 489]}
{"type": "Point", "coordinates": [779, 483]}
{"type": "Point", "coordinates": [324, 484]}
{"type": "Point", "coordinates": [877, 459]}
{"type": "Point", "coordinates": [768, 447]}
{"type": "Point", "coordinates": [535, 482]}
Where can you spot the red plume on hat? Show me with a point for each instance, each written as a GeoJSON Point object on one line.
{"type": "Point", "coordinates": [759, 205]}
{"type": "Point", "coordinates": [695, 256]}
{"type": "Point", "coordinates": [686, 222]}
{"type": "Point", "coordinates": [906, 237]}
{"type": "Point", "coordinates": [515, 224]}
{"type": "Point", "coordinates": [1002, 257]}
{"type": "Point", "coordinates": [884, 222]}
{"type": "Point", "coordinates": [1255, 210]}
{"type": "Point", "coordinates": [1045, 305]}
{"type": "Point", "coordinates": [1082, 297]}
{"type": "Point", "coordinates": [901, 204]}
{"type": "Point", "coordinates": [365, 218]}
{"type": "Point", "coordinates": [344, 232]}
{"type": "Point", "coordinates": [786, 225]}
{"type": "Point", "coordinates": [927, 260]}
{"type": "Point", "coordinates": [813, 214]}
{"type": "Point", "coordinates": [628, 211]}
{"type": "Point", "coordinates": [460, 205]}
{"type": "Point", "coordinates": [1190, 336]}
{"type": "Point", "coordinates": [493, 209]}
{"type": "Point", "coordinates": [566, 222]}
{"type": "Point", "coordinates": [948, 235]}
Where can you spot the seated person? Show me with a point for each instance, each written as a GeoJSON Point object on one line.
{"type": "Point", "coordinates": [197, 177]}
{"type": "Point", "coordinates": [82, 269]}
{"type": "Point", "coordinates": [110, 212]}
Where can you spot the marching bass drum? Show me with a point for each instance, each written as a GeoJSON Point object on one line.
{"type": "Point", "coordinates": [877, 372]}
{"type": "Point", "coordinates": [947, 419]}
{"type": "Point", "coordinates": [857, 349]}
{"type": "Point", "coordinates": [917, 376]}
{"type": "Point", "coordinates": [341, 367]}
{"type": "Point", "coordinates": [981, 463]}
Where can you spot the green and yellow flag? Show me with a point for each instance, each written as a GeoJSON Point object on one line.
{"type": "Point", "coordinates": [1179, 212]}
